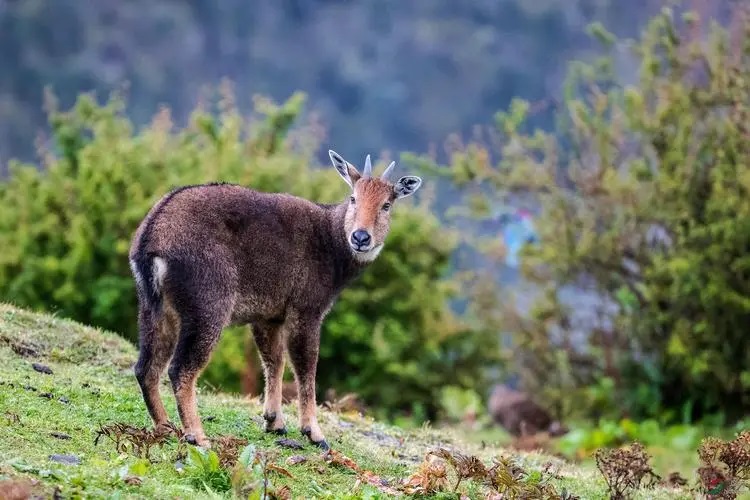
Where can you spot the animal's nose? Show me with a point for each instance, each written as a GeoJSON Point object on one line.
{"type": "Point", "coordinates": [361, 238]}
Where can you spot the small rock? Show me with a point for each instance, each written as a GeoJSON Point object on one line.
{"type": "Point", "coordinates": [59, 435]}
{"type": "Point", "coordinates": [47, 395]}
{"type": "Point", "coordinates": [63, 399]}
{"type": "Point", "coordinates": [296, 460]}
{"type": "Point", "coordinates": [518, 413]}
{"type": "Point", "coordinates": [29, 388]}
{"type": "Point", "coordinates": [290, 443]}
{"type": "Point", "coordinates": [65, 459]}
{"type": "Point", "coordinates": [210, 418]}
{"type": "Point", "coordinates": [42, 368]}
{"type": "Point", "coordinates": [133, 481]}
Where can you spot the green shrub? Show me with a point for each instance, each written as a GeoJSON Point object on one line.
{"type": "Point", "coordinates": [643, 196]}
{"type": "Point", "coordinates": [65, 231]}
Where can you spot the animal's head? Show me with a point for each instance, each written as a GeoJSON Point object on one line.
{"type": "Point", "coordinates": [368, 213]}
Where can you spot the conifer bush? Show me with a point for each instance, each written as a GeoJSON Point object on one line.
{"type": "Point", "coordinates": [641, 195]}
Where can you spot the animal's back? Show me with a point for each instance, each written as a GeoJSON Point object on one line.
{"type": "Point", "coordinates": [257, 244]}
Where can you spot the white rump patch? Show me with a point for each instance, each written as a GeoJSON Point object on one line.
{"type": "Point", "coordinates": [159, 271]}
{"type": "Point", "coordinates": [369, 255]}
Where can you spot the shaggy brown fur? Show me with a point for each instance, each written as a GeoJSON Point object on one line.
{"type": "Point", "coordinates": [214, 255]}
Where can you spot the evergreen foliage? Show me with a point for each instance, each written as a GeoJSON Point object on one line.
{"type": "Point", "coordinates": [643, 196]}
{"type": "Point", "coordinates": [66, 228]}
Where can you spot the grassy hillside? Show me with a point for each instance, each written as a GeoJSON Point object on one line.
{"type": "Point", "coordinates": [52, 417]}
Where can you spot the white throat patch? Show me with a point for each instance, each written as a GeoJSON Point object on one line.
{"type": "Point", "coordinates": [369, 255]}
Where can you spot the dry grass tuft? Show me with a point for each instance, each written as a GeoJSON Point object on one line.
{"type": "Point", "coordinates": [137, 441]}
{"type": "Point", "coordinates": [725, 466]}
{"type": "Point", "coordinates": [626, 470]}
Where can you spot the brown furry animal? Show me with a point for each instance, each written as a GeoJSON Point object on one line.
{"type": "Point", "coordinates": [209, 256]}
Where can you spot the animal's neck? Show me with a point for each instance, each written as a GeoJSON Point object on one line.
{"type": "Point", "coordinates": [346, 266]}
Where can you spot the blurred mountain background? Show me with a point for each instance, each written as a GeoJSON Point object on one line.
{"type": "Point", "coordinates": [381, 75]}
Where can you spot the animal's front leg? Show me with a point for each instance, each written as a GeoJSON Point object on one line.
{"type": "Point", "coordinates": [270, 342]}
{"type": "Point", "coordinates": [304, 343]}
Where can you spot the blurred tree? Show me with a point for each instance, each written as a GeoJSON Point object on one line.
{"type": "Point", "coordinates": [643, 196]}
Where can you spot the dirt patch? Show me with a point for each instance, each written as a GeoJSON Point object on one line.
{"type": "Point", "coordinates": [23, 348]}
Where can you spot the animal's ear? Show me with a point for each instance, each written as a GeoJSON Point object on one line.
{"type": "Point", "coordinates": [345, 169]}
{"type": "Point", "coordinates": [406, 186]}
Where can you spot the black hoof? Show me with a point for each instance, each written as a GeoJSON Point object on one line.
{"type": "Point", "coordinates": [323, 445]}
{"type": "Point", "coordinates": [270, 417]}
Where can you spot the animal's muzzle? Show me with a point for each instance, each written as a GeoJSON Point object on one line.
{"type": "Point", "coordinates": [360, 240]}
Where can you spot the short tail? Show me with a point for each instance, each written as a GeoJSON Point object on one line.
{"type": "Point", "coordinates": [149, 272]}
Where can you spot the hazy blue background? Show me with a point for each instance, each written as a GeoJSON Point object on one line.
{"type": "Point", "coordinates": [382, 75]}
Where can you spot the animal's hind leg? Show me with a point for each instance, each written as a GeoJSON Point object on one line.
{"type": "Point", "coordinates": [198, 336]}
{"type": "Point", "coordinates": [270, 341]}
{"type": "Point", "coordinates": [157, 337]}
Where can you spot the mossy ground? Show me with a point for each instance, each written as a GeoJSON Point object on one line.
{"type": "Point", "coordinates": [92, 384]}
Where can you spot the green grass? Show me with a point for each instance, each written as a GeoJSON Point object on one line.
{"type": "Point", "coordinates": [92, 384]}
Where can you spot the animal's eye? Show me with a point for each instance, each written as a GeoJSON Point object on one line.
{"type": "Point", "coordinates": [352, 200]}
{"type": "Point", "coordinates": [386, 207]}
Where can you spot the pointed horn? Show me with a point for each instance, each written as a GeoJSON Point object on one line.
{"type": "Point", "coordinates": [368, 167]}
{"type": "Point", "coordinates": [388, 171]}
